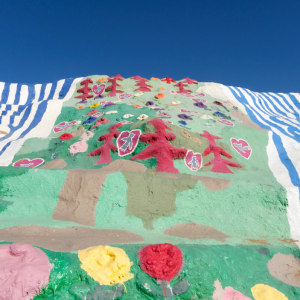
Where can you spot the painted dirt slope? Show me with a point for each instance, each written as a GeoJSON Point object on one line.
{"type": "Point", "coordinates": [102, 160]}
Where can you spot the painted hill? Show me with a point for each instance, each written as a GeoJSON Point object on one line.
{"type": "Point", "coordinates": [115, 188]}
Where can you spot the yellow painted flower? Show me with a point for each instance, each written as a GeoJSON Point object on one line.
{"type": "Point", "coordinates": [94, 105]}
{"type": "Point", "coordinates": [105, 264]}
{"type": "Point", "coordinates": [265, 292]}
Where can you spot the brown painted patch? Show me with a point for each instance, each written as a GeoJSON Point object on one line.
{"type": "Point", "coordinates": [152, 195]}
{"type": "Point", "coordinates": [78, 132]}
{"type": "Point", "coordinates": [285, 268]}
{"type": "Point", "coordinates": [54, 164]}
{"type": "Point", "coordinates": [245, 120]}
{"type": "Point", "coordinates": [263, 242]}
{"type": "Point", "coordinates": [288, 241]}
{"type": "Point", "coordinates": [3, 132]}
{"type": "Point", "coordinates": [79, 195]}
{"type": "Point", "coordinates": [67, 239]}
{"type": "Point", "coordinates": [194, 231]}
{"type": "Point", "coordinates": [214, 184]}
{"type": "Point", "coordinates": [193, 138]}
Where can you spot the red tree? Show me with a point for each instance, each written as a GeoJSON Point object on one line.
{"type": "Point", "coordinates": [141, 83]}
{"type": "Point", "coordinates": [189, 81]}
{"type": "Point", "coordinates": [113, 87]}
{"type": "Point", "coordinates": [104, 149]}
{"type": "Point", "coordinates": [160, 147]}
{"type": "Point", "coordinates": [219, 164]}
{"type": "Point", "coordinates": [85, 90]}
{"type": "Point", "coordinates": [168, 80]}
{"type": "Point", "coordinates": [182, 89]}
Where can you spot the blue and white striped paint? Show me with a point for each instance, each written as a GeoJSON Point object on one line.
{"type": "Point", "coordinates": [29, 111]}
{"type": "Point", "coordinates": [279, 113]}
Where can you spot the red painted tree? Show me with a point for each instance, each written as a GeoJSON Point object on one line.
{"type": "Point", "coordinates": [219, 164]}
{"type": "Point", "coordinates": [113, 87]}
{"type": "Point", "coordinates": [182, 89]}
{"type": "Point", "coordinates": [85, 90]}
{"type": "Point", "coordinates": [189, 81]}
{"type": "Point", "coordinates": [104, 149]}
{"type": "Point", "coordinates": [168, 80]}
{"type": "Point", "coordinates": [160, 147]}
{"type": "Point", "coordinates": [141, 83]}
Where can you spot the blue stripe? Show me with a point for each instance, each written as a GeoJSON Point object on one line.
{"type": "Point", "coordinates": [42, 93]}
{"type": "Point", "coordinates": [65, 88]}
{"type": "Point", "coordinates": [31, 93]}
{"type": "Point", "coordinates": [37, 117]}
{"type": "Point", "coordinates": [23, 120]}
{"type": "Point", "coordinates": [18, 94]}
{"type": "Point", "coordinates": [5, 93]}
{"type": "Point", "coordinates": [52, 91]}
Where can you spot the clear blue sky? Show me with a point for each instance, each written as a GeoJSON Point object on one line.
{"type": "Point", "coordinates": [249, 43]}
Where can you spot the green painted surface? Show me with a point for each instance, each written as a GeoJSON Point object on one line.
{"type": "Point", "coordinates": [240, 267]}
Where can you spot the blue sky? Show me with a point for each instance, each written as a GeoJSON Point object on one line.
{"type": "Point", "coordinates": [249, 43]}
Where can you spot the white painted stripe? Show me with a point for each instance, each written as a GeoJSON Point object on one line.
{"type": "Point", "coordinates": [23, 94]}
{"type": "Point", "coordinates": [47, 91]}
{"type": "Point", "coordinates": [12, 93]}
{"type": "Point", "coordinates": [59, 85]}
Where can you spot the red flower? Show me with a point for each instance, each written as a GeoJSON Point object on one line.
{"type": "Point", "coordinates": [66, 136]}
{"type": "Point", "coordinates": [161, 261]}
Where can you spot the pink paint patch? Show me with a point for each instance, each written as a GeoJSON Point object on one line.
{"type": "Point", "coordinates": [242, 147]}
{"type": "Point", "coordinates": [164, 115]}
{"type": "Point", "coordinates": [127, 141]}
{"type": "Point", "coordinates": [78, 147]}
{"type": "Point", "coordinates": [126, 122]}
{"type": "Point", "coordinates": [193, 160]}
{"type": "Point", "coordinates": [125, 96]}
{"type": "Point", "coordinates": [26, 162]}
{"type": "Point", "coordinates": [63, 125]}
{"type": "Point", "coordinates": [232, 294]}
{"type": "Point", "coordinates": [98, 89]}
{"type": "Point", "coordinates": [200, 100]}
{"type": "Point", "coordinates": [98, 114]}
{"type": "Point", "coordinates": [91, 112]}
{"type": "Point", "coordinates": [167, 121]}
{"type": "Point", "coordinates": [188, 111]}
{"type": "Point", "coordinates": [24, 271]}
{"type": "Point", "coordinates": [226, 122]}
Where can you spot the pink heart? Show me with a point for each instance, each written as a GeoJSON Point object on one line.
{"type": "Point", "coordinates": [226, 122]}
{"type": "Point", "coordinates": [242, 147]}
{"type": "Point", "coordinates": [63, 125]}
{"type": "Point", "coordinates": [193, 160]}
{"type": "Point", "coordinates": [127, 141]}
{"type": "Point", "coordinates": [98, 89]}
{"type": "Point", "coordinates": [26, 162]}
{"type": "Point", "coordinates": [124, 96]}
